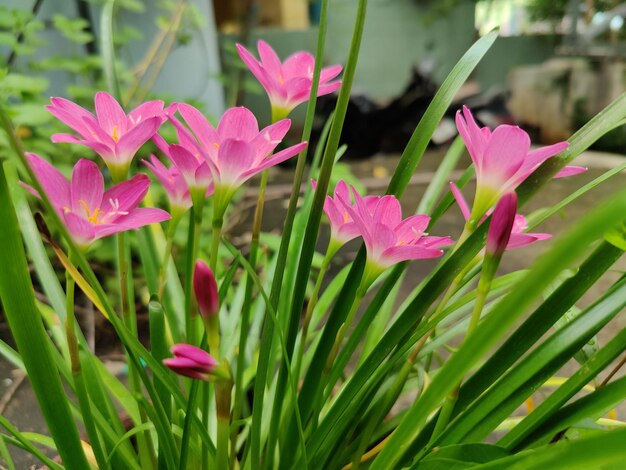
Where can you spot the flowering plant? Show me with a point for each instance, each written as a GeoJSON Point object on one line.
{"type": "Point", "coordinates": [246, 367]}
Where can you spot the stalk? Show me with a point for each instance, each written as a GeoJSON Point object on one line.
{"type": "Point", "coordinates": [79, 383]}
{"type": "Point", "coordinates": [195, 226]}
{"type": "Point", "coordinates": [245, 315]}
{"type": "Point", "coordinates": [171, 230]}
{"type": "Point", "coordinates": [330, 252]}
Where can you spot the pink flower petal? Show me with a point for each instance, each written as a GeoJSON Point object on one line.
{"type": "Point", "coordinates": [139, 217]}
{"type": "Point", "coordinates": [460, 200]}
{"type": "Point", "coordinates": [147, 110]}
{"type": "Point", "coordinates": [269, 59]}
{"type": "Point", "coordinates": [267, 140]}
{"type": "Point", "coordinates": [79, 228]}
{"type": "Point", "coordinates": [238, 123]}
{"type": "Point", "coordinates": [51, 180]}
{"type": "Point", "coordinates": [504, 155]}
{"type": "Point", "coordinates": [270, 85]}
{"type": "Point", "coordinates": [388, 211]}
{"type": "Point", "coordinates": [86, 187]}
{"type": "Point", "coordinates": [519, 240]}
{"type": "Point", "coordinates": [328, 73]}
{"type": "Point", "coordinates": [277, 158]}
{"type": "Point", "coordinates": [300, 64]}
{"type": "Point", "coordinates": [411, 228]}
{"type": "Point", "coordinates": [194, 353]}
{"type": "Point", "coordinates": [397, 254]}
{"type": "Point", "coordinates": [111, 116]}
{"type": "Point", "coordinates": [131, 141]}
{"type": "Point", "coordinates": [570, 171]}
{"type": "Point", "coordinates": [70, 114]}
{"type": "Point", "coordinates": [203, 130]}
{"type": "Point", "coordinates": [128, 194]}
{"type": "Point", "coordinates": [235, 158]}
{"type": "Point", "coordinates": [100, 148]}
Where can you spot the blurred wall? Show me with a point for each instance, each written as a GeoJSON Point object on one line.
{"type": "Point", "coordinates": [190, 71]}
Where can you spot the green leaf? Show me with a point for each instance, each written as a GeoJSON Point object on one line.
{"type": "Point", "coordinates": [566, 249]}
{"type": "Point", "coordinates": [606, 450]}
{"type": "Point", "coordinates": [467, 454]}
{"type": "Point", "coordinates": [517, 437]}
{"type": "Point", "coordinates": [16, 292]}
{"type": "Point", "coordinates": [520, 382]}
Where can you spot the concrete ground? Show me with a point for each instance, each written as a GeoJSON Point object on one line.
{"type": "Point", "coordinates": [17, 402]}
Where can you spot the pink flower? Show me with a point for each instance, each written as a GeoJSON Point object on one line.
{"type": "Point", "coordinates": [115, 136]}
{"type": "Point", "coordinates": [342, 227]}
{"type": "Point", "coordinates": [191, 361]}
{"type": "Point", "coordinates": [570, 171]}
{"type": "Point", "coordinates": [234, 152]}
{"type": "Point", "coordinates": [388, 238]}
{"type": "Point", "coordinates": [174, 184]}
{"type": "Point", "coordinates": [502, 159]}
{"type": "Point", "coordinates": [288, 83]}
{"type": "Point", "coordinates": [87, 209]}
{"type": "Point", "coordinates": [192, 167]}
{"type": "Point", "coordinates": [205, 289]}
{"type": "Point", "coordinates": [518, 237]}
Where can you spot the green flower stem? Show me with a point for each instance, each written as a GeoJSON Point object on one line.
{"type": "Point", "coordinates": [79, 383]}
{"type": "Point", "coordinates": [171, 230]}
{"type": "Point", "coordinates": [215, 242]}
{"type": "Point", "coordinates": [223, 392]}
{"type": "Point", "coordinates": [369, 276]}
{"type": "Point", "coordinates": [482, 290]}
{"type": "Point", "coordinates": [184, 446]}
{"type": "Point", "coordinates": [195, 226]}
{"type": "Point", "coordinates": [245, 314]}
{"type": "Point", "coordinates": [330, 252]}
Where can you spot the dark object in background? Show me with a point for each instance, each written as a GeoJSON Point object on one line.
{"type": "Point", "coordinates": [370, 128]}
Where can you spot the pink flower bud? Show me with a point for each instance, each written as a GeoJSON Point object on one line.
{"type": "Point", "coordinates": [501, 224]}
{"type": "Point", "coordinates": [191, 361]}
{"type": "Point", "coordinates": [205, 288]}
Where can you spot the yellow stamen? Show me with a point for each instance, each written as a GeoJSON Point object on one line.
{"type": "Point", "coordinates": [93, 218]}
{"type": "Point", "coordinates": [346, 217]}
{"type": "Point", "coordinates": [114, 134]}
{"type": "Point", "coordinates": [216, 145]}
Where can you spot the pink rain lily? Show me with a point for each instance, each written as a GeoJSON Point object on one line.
{"type": "Point", "coordinates": [518, 238]}
{"type": "Point", "coordinates": [234, 152]}
{"type": "Point", "coordinates": [173, 183]}
{"type": "Point", "coordinates": [115, 136]}
{"type": "Point", "coordinates": [288, 83]}
{"type": "Point", "coordinates": [502, 159]}
{"type": "Point", "coordinates": [87, 209]}
{"type": "Point", "coordinates": [388, 238]}
{"type": "Point", "coordinates": [205, 289]}
{"type": "Point", "coordinates": [342, 227]}
{"type": "Point", "coordinates": [191, 361]}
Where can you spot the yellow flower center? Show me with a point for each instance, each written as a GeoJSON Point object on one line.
{"type": "Point", "coordinates": [92, 217]}
{"type": "Point", "coordinates": [114, 134]}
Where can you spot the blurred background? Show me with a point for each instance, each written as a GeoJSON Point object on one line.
{"type": "Point", "coordinates": [557, 63]}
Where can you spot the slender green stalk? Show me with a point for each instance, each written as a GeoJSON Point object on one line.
{"type": "Point", "coordinates": [195, 226]}
{"type": "Point", "coordinates": [79, 383]}
{"type": "Point", "coordinates": [167, 253]}
{"type": "Point", "coordinates": [223, 392]}
{"type": "Point", "coordinates": [215, 241]}
{"type": "Point", "coordinates": [184, 446]}
{"type": "Point", "coordinates": [108, 48]}
{"type": "Point", "coordinates": [245, 314]}
{"type": "Point", "coordinates": [330, 252]}
{"type": "Point", "coordinates": [268, 331]}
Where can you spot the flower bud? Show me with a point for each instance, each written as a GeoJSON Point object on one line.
{"type": "Point", "coordinates": [501, 225]}
{"type": "Point", "coordinates": [205, 289]}
{"type": "Point", "coordinates": [191, 361]}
